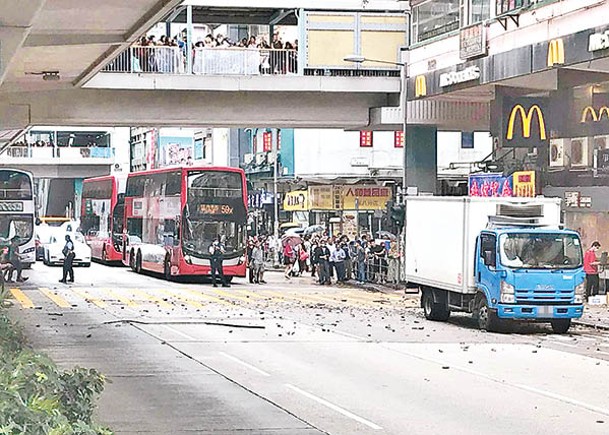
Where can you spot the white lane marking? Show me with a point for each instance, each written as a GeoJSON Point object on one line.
{"type": "Point", "coordinates": [243, 363]}
{"type": "Point", "coordinates": [335, 408]}
{"type": "Point", "coordinates": [564, 399]}
{"type": "Point", "coordinates": [560, 343]}
{"type": "Point", "coordinates": [175, 331]}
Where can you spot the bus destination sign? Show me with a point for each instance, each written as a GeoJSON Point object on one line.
{"type": "Point", "coordinates": [11, 206]}
{"type": "Point", "coordinates": [217, 209]}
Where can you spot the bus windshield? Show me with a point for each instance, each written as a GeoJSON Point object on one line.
{"type": "Point", "coordinates": [15, 185]}
{"type": "Point", "coordinates": [19, 225]}
{"type": "Point", "coordinates": [215, 208]}
{"type": "Point", "coordinates": [540, 251]}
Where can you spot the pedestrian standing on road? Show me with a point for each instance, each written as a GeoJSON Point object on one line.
{"type": "Point", "coordinates": [591, 264]}
{"type": "Point", "coordinates": [250, 247]}
{"type": "Point", "coordinates": [257, 259]}
{"type": "Point", "coordinates": [15, 259]}
{"type": "Point", "coordinates": [217, 250]}
{"type": "Point", "coordinates": [288, 259]}
{"type": "Point", "coordinates": [360, 258]}
{"type": "Point", "coordinates": [337, 258]}
{"type": "Point", "coordinates": [331, 247]}
{"type": "Point", "coordinates": [68, 259]}
{"type": "Point", "coordinates": [323, 261]}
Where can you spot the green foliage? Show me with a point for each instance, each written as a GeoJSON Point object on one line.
{"type": "Point", "coordinates": [37, 398]}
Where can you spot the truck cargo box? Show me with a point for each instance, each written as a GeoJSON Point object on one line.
{"type": "Point", "coordinates": [441, 235]}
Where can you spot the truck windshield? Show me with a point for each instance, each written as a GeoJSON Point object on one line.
{"type": "Point", "coordinates": [540, 251]}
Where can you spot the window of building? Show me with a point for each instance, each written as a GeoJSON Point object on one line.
{"type": "Point", "coordinates": [505, 6]}
{"type": "Point", "coordinates": [479, 11]}
{"type": "Point", "coordinates": [434, 18]}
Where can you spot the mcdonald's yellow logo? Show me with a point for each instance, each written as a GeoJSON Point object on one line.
{"type": "Point", "coordinates": [420, 87]}
{"type": "Point", "coordinates": [594, 115]}
{"type": "Point", "coordinates": [556, 52]}
{"type": "Point", "coordinates": [526, 118]}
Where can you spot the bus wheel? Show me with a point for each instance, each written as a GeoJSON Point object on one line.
{"type": "Point", "coordinates": [132, 260]}
{"type": "Point", "coordinates": [167, 268]}
{"type": "Point", "coordinates": [104, 255]}
{"type": "Point", "coordinates": [228, 279]}
{"type": "Point", "coordinates": [138, 262]}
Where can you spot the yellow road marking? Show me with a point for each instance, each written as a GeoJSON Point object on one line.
{"type": "Point", "coordinates": [374, 296]}
{"type": "Point", "coordinates": [151, 298]}
{"type": "Point", "coordinates": [22, 298]}
{"type": "Point", "coordinates": [231, 295]}
{"type": "Point", "coordinates": [59, 301]}
{"type": "Point", "coordinates": [304, 298]}
{"type": "Point", "coordinates": [253, 294]}
{"type": "Point", "coordinates": [120, 298]}
{"type": "Point", "coordinates": [86, 296]}
{"type": "Point", "coordinates": [188, 301]}
{"type": "Point", "coordinates": [207, 297]}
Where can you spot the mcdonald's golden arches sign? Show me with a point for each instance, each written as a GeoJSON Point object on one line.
{"type": "Point", "coordinates": [595, 115]}
{"type": "Point", "coordinates": [525, 122]}
{"type": "Point", "coordinates": [556, 52]}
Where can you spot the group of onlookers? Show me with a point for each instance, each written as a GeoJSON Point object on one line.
{"type": "Point", "coordinates": [168, 54]}
{"type": "Point", "coordinates": [328, 259]}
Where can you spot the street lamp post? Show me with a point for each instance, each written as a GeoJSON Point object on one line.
{"type": "Point", "coordinates": [404, 117]}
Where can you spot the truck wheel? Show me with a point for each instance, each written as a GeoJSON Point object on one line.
{"type": "Point", "coordinates": [433, 310]}
{"type": "Point", "coordinates": [487, 318]}
{"type": "Point", "coordinates": [560, 326]}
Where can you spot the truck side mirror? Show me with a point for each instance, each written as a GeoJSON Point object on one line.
{"type": "Point", "coordinates": [489, 258]}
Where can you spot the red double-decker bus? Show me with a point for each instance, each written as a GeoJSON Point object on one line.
{"type": "Point", "coordinates": [102, 215]}
{"type": "Point", "coordinates": [172, 216]}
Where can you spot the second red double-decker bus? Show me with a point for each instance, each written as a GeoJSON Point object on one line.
{"type": "Point", "coordinates": [102, 215]}
{"type": "Point", "coordinates": [172, 216]}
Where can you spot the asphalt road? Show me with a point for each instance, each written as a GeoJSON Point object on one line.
{"type": "Point", "coordinates": [290, 357]}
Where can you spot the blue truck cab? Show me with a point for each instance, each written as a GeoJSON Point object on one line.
{"type": "Point", "coordinates": [528, 273]}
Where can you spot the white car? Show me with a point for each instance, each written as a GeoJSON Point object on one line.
{"type": "Point", "coordinates": [54, 256]}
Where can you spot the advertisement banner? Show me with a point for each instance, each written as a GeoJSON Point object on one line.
{"type": "Point", "coordinates": [296, 201]}
{"type": "Point", "coordinates": [365, 197]}
{"type": "Point", "coordinates": [320, 197]}
{"type": "Point", "coordinates": [490, 185]}
{"type": "Point", "coordinates": [524, 184]}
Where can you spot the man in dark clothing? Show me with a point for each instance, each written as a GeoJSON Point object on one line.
{"type": "Point", "coordinates": [68, 259]}
{"type": "Point", "coordinates": [15, 259]}
{"type": "Point", "coordinates": [322, 255]}
{"type": "Point", "coordinates": [217, 257]}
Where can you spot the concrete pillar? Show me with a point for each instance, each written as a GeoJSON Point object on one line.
{"type": "Point", "coordinates": [422, 160]}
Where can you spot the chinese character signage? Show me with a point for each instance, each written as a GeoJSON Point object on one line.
{"type": "Point", "coordinates": [398, 139]}
{"type": "Point", "coordinates": [520, 184]}
{"type": "Point", "coordinates": [365, 139]}
{"type": "Point", "coordinates": [267, 141]}
{"type": "Point", "coordinates": [472, 41]}
{"type": "Point", "coordinates": [365, 197]}
{"type": "Point", "coordinates": [524, 184]}
{"type": "Point", "coordinates": [490, 185]}
{"type": "Point", "coordinates": [296, 201]}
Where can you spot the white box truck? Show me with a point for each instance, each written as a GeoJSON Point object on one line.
{"type": "Point", "coordinates": [498, 258]}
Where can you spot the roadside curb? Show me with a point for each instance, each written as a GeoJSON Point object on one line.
{"type": "Point", "coordinates": [591, 325]}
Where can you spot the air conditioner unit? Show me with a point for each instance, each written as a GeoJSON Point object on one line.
{"type": "Point", "coordinates": [248, 158]}
{"type": "Point", "coordinates": [580, 152]}
{"type": "Point", "coordinates": [557, 152]}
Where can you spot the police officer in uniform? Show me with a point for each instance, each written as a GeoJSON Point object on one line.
{"type": "Point", "coordinates": [216, 251]}
{"type": "Point", "coordinates": [68, 253]}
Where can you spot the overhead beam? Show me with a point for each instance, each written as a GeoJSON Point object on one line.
{"type": "Point", "coordinates": [88, 107]}
{"type": "Point", "coordinates": [279, 16]}
{"type": "Point", "coordinates": [16, 18]}
{"type": "Point", "coordinates": [60, 40]}
{"type": "Point", "coordinates": [338, 5]}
